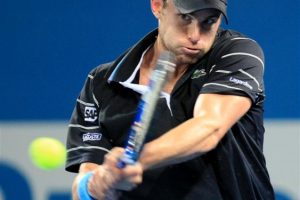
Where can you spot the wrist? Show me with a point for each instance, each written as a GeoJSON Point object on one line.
{"type": "Point", "coordinates": [144, 158]}
{"type": "Point", "coordinates": [106, 192]}
{"type": "Point", "coordinates": [82, 188]}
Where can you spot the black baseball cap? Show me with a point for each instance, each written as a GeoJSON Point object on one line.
{"type": "Point", "coordinates": [189, 6]}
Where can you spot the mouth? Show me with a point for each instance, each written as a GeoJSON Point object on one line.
{"type": "Point", "coordinates": [191, 51]}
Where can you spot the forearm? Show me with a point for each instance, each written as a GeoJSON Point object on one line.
{"type": "Point", "coordinates": [213, 115]}
{"type": "Point", "coordinates": [190, 139]}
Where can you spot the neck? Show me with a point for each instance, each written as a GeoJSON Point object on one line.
{"type": "Point", "coordinates": [149, 64]}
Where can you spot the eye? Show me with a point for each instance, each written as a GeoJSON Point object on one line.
{"type": "Point", "coordinates": [211, 21]}
{"type": "Point", "coordinates": [185, 17]}
{"type": "Point", "coordinates": [208, 23]}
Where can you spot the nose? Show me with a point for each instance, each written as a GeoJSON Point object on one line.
{"type": "Point", "coordinates": [194, 32]}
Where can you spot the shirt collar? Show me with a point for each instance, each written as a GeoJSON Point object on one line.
{"type": "Point", "coordinates": [127, 65]}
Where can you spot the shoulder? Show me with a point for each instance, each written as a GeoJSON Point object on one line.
{"type": "Point", "coordinates": [231, 48]}
{"type": "Point", "coordinates": [101, 70]}
{"type": "Point", "coordinates": [231, 41]}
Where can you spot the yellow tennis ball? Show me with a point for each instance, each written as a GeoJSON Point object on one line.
{"type": "Point", "coordinates": [47, 153]}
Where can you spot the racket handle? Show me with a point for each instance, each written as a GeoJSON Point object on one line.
{"type": "Point", "coordinates": [129, 157]}
{"type": "Point", "coordinates": [146, 108]}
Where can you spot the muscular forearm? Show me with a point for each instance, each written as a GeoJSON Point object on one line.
{"type": "Point", "coordinates": [190, 139]}
{"type": "Point", "coordinates": [213, 115]}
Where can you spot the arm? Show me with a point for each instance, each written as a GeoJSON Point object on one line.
{"type": "Point", "coordinates": [107, 177]}
{"type": "Point", "coordinates": [214, 114]}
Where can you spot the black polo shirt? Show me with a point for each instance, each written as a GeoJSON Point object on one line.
{"type": "Point", "coordinates": [234, 170]}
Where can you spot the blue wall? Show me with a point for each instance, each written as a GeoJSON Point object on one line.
{"type": "Point", "coordinates": [48, 47]}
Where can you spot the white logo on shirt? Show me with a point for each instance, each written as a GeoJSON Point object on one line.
{"type": "Point", "coordinates": [198, 73]}
{"type": "Point", "coordinates": [240, 82]}
{"type": "Point", "coordinates": [91, 137]}
{"type": "Point", "coordinates": [90, 114]}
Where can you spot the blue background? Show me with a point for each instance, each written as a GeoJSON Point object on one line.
{"type": "Point", "coordinates": [47, 47]}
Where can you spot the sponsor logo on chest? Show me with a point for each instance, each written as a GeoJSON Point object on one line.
{"type": "Point", "coordinates": [198, 73]}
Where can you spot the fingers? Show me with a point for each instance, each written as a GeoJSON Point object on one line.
{"type": "Point", "coordinates": [126, 178]}
{"type": "Point", "coordinates": [131, 178]}
{"type": "Point", "coordinates": [133, 173]}
{"type": "Point", "coordinates": [108, 177]}
{"type": "Point", "coordinates": [113, 156]}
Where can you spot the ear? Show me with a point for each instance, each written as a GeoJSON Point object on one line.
{"type": "Point", "coordinates": [156, 7]}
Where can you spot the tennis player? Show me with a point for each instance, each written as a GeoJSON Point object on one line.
{"type": "Point", "coordinates": [206, 138]}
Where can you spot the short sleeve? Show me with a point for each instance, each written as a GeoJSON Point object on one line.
{"type": "Point", "coordinates": [85, 141]}
{"type": "Point", "coordinates": [237, 68]}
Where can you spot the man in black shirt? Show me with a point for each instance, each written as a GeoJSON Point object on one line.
{"type": "Point", "coordinates": [206, 137]}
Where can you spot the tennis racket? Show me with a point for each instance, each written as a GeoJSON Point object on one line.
{"type": "Point", "coordinates": [146, 108]}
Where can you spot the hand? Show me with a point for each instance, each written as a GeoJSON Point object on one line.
{"type": "Point", "coordinates": [108, 177]}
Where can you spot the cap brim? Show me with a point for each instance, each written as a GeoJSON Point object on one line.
{"type": "Point", "coordinates": [189, 6]}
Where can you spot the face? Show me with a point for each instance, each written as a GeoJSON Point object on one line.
{"type": "Point", "coordinates": [189, 36]}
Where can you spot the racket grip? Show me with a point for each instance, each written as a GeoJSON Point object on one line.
{"type": "Point", "coordinates": [121, 164]}
{"type": "Point", "coordinates": [146, 107]}
{"type": "Point", "coordinates": [129, 157]}
{"type": "Point", "coordinates": [135, 140]}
